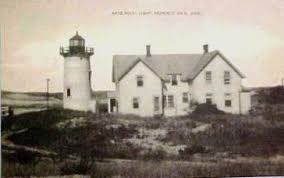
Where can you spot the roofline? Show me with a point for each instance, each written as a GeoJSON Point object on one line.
{"type": "Point", "coordinates": [156, 54]}
{"type": "Point", "coordinates": [130, 68]}
{"type": "Point", "coordinates": [234, 67]}
{"type": "Point", "coordinates": [226, 60]}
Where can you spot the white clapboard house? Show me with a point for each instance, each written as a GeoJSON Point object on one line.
{"type": "Point", "coordinates": [171, 84]}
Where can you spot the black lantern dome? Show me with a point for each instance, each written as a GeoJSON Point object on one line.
{"type": "Point", "coordinates": [76, 47]}
{"type": "Point", "coordinates": [77, 44]}
{"type": "Point", "coordinates": [77, 40]}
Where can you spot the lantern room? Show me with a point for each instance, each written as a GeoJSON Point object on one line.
{"type": "Point", "coordinates": [76, 47]}
{"type": "Point", "coordinates": [76, 44]}
{"type": "Point", "coordinates": [77, 40]}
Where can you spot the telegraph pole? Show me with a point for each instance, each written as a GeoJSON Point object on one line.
{"type": "Point", "coordinates": [47, 93]}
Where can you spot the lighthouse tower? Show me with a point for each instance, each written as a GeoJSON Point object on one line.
{"type": "Point", "coordinates": [77, 75]}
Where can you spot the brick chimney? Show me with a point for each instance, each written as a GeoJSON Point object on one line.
{"type": "Point", "coordinates": [205, 48]}
{"type": "Point", "coordinates": [148, 50]}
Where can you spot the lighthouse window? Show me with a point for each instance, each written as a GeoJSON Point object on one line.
{"type": "Point", "coordinates": [81, 43]}
{"type": "Point", "coordinates": [68, 92]}
{"type": "Point", "coordinates": [90, 74]}
{"type": "Point", "coordinates": [76, 43]}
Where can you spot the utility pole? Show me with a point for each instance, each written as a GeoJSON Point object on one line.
{"type": "Point", "coordinates": [47, 93]}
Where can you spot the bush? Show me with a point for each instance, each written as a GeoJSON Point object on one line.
{"type": "Point", "coordinates": [206, 109]}
{"type": "Point", "coordinates": [273, 95]}
{"type": "Point", "coordinates": [27, 157]}
{"type": "Point", "coordinates": [124, 151]}
{"type": "Point", "coordinates": [246, 137]}
{"type": "Point", "coordinates": [123, 132]}
{"type": "Point", "coordinates": [190, 150]}
{"type": "Point", "coordinates": [43, 119]}
{"type": "Point", "coordinates": [40, 137]}
{"type": "Point", "coordinates": [70, 168]}
{"type": "Point", "coordinates": [157, 154]}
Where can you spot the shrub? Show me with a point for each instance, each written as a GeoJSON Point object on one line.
{"type": "Point", "coordinates": [27, 157]}
{"type": "Point", "coordinates": [123, 132]}
{"type": "Point", "coordinates": [273, 95]}
{"type": "Point", "coordinates": [178, 136]}
{"type": "Point", "coordinates": [206, 109]}
{"type": "Point", "coordinates": [157, 154]}
{"type": "Point", "coordinates": [246, 137]}
{"type": "Point", "coordinates": [43, 119]}
{"type": "Point", "coordinates": [69, 168]}
{"type": "Point", "coordinates": [192, 149]}
{"type": "Point", "coordinates": [41, 137]}
{"type": "Point", "coordinates": [124, 151]}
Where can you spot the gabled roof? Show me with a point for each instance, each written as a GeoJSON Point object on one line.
{"type": "Point", "coordinates": [188, 65]}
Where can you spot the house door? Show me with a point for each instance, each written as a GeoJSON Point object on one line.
{"type": "Point", "coordinates": [156, 105]}
{"type": "Point", "coordinates": [112, 105]}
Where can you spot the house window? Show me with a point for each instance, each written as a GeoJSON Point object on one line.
{"type": "Point", "coordinates": [68, 92]}
{"type": "Point", "coordinates": [185, 97]}
{"type": "Point", "coordinates": [139, 81]}
{"type": "Point", "coordinates": [170, 103]}
{"type": "Point", "coordinates": [174, 80]}
{"type": "Point", "coordinates": [227, 94]}
{"type": "Point", "coordinates": [208, 98]}
{"type": "Point", "coordinates": [156, 103]}
{"type": "Point", "coordinates": [165, 101]}
{"type": "Point", "coordinates": [228, 100]}
{"type": "Point", "coordinates": [228, 103]}
{"type": "Point", "coordinates": [208, 76]}
{"type": "Point", "coordinates": [135, 103]}
{"type": "Point", "coordinates": [227, 78]}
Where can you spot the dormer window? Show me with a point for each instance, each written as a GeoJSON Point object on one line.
{"type": "Point", "coordinates": [227, 77]}
{"type": "Point", "coordinates": [174, 79]}
{"type": "Point", "coordinates": [140, 82]}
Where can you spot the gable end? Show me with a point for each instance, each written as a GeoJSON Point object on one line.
{"type": "Point", "coordinates": [225, 59]}
{"type": "Point", "coordinates": [131, 67]}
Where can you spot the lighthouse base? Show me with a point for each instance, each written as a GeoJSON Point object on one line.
{"type": "Point", "coordinates": [80, 105]}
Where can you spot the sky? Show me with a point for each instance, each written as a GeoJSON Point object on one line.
{"type": "Point", "coordinates": [250, 33]}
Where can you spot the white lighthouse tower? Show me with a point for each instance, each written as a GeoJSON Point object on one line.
{"type": "Point", "coordinates": [77, 93]}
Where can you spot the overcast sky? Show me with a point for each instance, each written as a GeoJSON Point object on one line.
{"type": "Point", "coordinates": [250, 33]}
